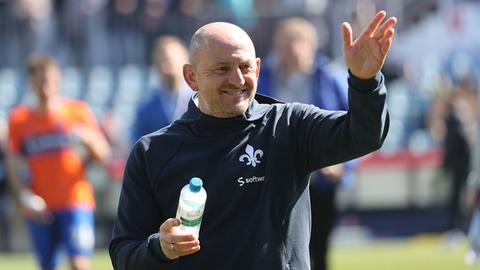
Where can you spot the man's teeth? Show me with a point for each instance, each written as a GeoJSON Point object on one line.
{"type": "Point", "coordinates": [236, 93]}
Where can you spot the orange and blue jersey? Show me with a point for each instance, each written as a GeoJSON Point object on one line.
{"type": "Point", "coordinates": [45, 139]}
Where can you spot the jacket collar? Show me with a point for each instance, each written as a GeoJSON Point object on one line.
{"type": "Point", "coordinates": [204, 125]}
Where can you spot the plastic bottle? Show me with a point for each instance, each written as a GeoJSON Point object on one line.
{"type": "Point", "coordinates": [191, 205]}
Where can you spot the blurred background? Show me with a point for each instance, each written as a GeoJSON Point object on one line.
{"type": "Point", "coordinates": [407, 190]}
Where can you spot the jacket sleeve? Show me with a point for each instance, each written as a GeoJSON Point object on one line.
{"type": "Point", "coordinates": [331, 137]}
{"type": "Point", "coordinates": [135, 244]}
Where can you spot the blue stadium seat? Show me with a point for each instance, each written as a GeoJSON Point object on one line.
{"type": "Point", "coordinates": [72, 82]}
{"type": "Point", "coordinates": [99, 86]}
{"type": "Point", "coordinates": [8, 88]}
{"type": "Point", "coordinates": [131, 85]}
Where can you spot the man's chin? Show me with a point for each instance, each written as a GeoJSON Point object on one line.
{"type": "Point", "coordinates": [239, 110]}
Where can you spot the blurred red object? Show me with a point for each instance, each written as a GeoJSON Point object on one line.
{"type": "Point", "coordinates": [404, 159]}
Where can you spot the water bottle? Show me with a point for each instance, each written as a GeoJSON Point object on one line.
{"type": "Point", "coordinates": [190, 206]}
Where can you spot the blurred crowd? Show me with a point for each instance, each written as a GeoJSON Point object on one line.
{"type": "Point", "coordinates": [118, 32]}
{"type": "Point", "coordinates": [111, 57]}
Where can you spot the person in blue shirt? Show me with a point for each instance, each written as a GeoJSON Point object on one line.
{"type": "Point", "coordinates": [169, 99]}
{"type": "Point", "coordinates": [296, 72]}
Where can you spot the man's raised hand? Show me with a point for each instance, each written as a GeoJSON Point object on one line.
{"type": "Point", "coordinates": [365, 55]}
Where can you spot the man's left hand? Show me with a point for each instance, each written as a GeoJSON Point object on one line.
{"type": "Point", "coordinates": [365, 56]}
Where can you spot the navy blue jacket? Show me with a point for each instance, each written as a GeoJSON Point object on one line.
{"type": "Point", "coordinates": [255, 169]}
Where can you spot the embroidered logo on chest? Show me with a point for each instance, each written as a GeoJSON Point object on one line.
{"type": "Point", "coordinates": [251, 157]}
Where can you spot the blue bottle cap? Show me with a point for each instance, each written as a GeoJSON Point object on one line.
{"type": "Point", "coordinates": [195, 184]}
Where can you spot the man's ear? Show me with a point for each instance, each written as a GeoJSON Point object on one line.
{"type": "Point", "coordinates": [189, 76]}
{"type": "Point", "coordinates": [258, 61]}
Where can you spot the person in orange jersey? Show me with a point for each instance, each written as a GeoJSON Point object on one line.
{"type": "Point", "coordinates": [52, 140]}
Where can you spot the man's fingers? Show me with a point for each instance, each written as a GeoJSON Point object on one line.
{"type": "Point", "coordinates": [347, 34]}
{"type": "Point", "coordinates": [174, 238]}
{"type": "Point", "coordinates": [169, 224]}
{"type": "Point", "coordinates": [386, 41]}
{"type": "Point", "coordinates": [188, 251]}
{"type": "Point", "coordinates": [185, 246]}
{"type": "Point", "coordinates": [386, 25]}
{"type": "Point", "coordinates": [177, 249]}
{"type": "Point", "coordinates": [372, 27]}
{"type": "Point", "coordinates": [175, 244]}
{"type": "Point", "coordinates": [386, 46]}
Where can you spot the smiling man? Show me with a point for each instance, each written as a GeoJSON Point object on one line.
{"type": "Point", "coordinates": [223, 69]}
{"type": "Point", "coordinates": [254, 154]}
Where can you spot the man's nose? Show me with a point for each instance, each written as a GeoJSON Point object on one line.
{"type": "Point", "coordinates": [236, 77]}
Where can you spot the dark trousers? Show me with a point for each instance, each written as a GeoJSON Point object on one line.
{"type": "Point", "coordinates": [323, 219]}
{"type": "Point", "coordinates": [457, 217]}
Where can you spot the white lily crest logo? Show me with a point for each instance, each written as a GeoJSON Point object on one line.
{"type": "Point", "coordinates": [252, 156]}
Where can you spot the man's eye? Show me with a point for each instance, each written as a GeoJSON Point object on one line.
{"type": "Point", "coordinates": [245, 67]}
{"type": "Point", "coordinates": [222, 69]}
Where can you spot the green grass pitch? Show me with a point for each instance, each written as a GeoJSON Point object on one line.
{"type": "Point", "coordinates": [419, 253]}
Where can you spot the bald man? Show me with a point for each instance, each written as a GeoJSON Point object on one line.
{"type": "Point", "coordinates": [254, 154]}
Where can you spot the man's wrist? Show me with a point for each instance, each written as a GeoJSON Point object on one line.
{"type": "Point", "coordinates": [153, 246]}
{"type": "Point", "coordinates": [365, 85]}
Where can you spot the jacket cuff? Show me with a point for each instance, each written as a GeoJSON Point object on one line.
{"type": "Point", "coordinates": [365, 86]}
{"type": "Point", "coordinates": [153, 246]}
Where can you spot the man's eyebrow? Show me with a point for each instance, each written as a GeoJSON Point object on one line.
{"type": "Point", "coordinates": [218, 64]}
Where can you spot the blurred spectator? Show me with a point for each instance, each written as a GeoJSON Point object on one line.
{"type": "Point", "coordinates": [7, 33]}
{"type": "Point", "coordinates": [240, 12]}
{"type": "Point", "coordinates": [454, 115]}
{"type": "Point", "coordinates": [153, 11]}
{"type": "Point", "coordinates": [299, 73]}
{"type": "Point", "coordinates": [473, 254]}
{"type": "Point", "coordinates": [34, 25]}
{"type": "Point", "coordinates": [56, 137]}
{"type": "Point", "coordinates": [170, 98]}
{"type": "Point", "coordinates": [5, 243]}
{"type": "Point", "coordinates": [282, 8]}
{"type": "Point", "coordinates": [153, 21]}
{"type": "Point", "coordinates": [81, 32]}
{"type": "Point", "coordinates": [188, 15]}
{"type": "Point", "coordinates": [125, 38]}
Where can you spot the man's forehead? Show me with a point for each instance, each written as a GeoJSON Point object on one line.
{"type": "Point", "coordinates": [231, 55]}
{"type": "Point", "coordinates": [215, 56]}
{"type": "Point", "coordinates": [221, 42]}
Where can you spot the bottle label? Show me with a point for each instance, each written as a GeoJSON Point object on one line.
{"type": "Point", "coordinates": [190, 222]}
{"type": "Point", "coordinates": [191, 204]}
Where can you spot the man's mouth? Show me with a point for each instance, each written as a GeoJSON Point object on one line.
{"type": "Point", "coordinates": [236, 93]}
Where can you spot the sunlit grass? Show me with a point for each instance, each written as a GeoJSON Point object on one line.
{"type": "Point", "coordinates": [419, 253]}
{"type": "Point", "coordinates": [422, 253]}
{"type": "Point", "coordinates": [26, 261]}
